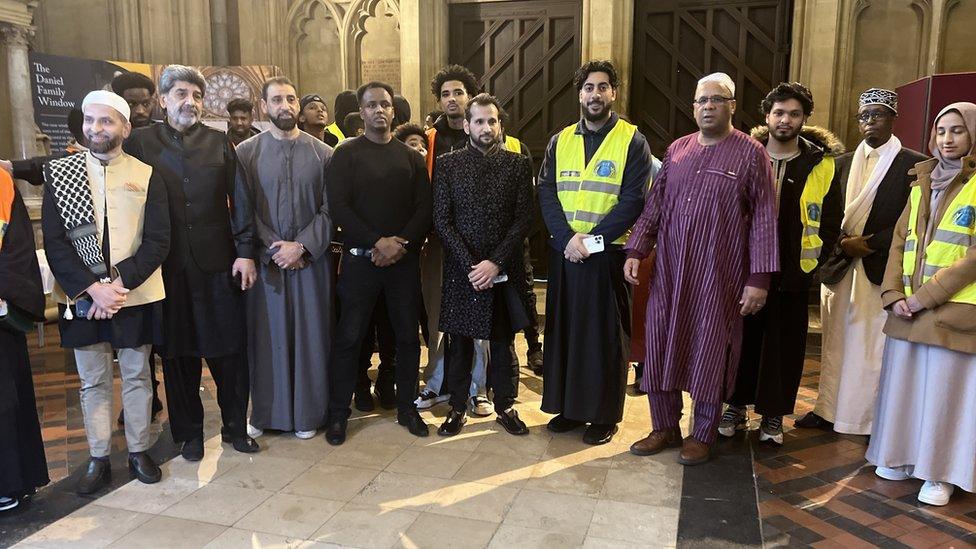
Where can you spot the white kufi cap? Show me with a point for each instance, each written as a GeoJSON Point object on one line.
{"type": "Point", "coordinates": [109, 99]}
{"type": "Point", "coordinates": [723, 79]}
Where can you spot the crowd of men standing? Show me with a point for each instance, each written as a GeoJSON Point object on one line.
{"type": "Point", "coordinates": [177, 239]}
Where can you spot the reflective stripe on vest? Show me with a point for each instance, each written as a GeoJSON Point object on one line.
{"type": "Point", "coordinates": [811, 209]}
{"type": "Point", "coordinates": [951, 240]}
{"type": "Point", "coordinates": [334, 130]}
{"type": "Point", "coordinates": [588, 192]}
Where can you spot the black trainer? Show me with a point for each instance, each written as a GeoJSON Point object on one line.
{"type": "Point", "coordinates": [599, 434]}
{"type": "Point", "coordinates": [243, 444]}
{"type": "Point", "coordinates": [562, 424]}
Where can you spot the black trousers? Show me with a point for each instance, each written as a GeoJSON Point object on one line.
{"type": "Point", "coordinates": [502, 375]}
{"type": "Point", "coordinates": [360, 286]}
{"type": "Point", "coordinates": [379, 335]}
{"type": "Point", "coordinates": [182, 380]}
{"type": "Point", "coordinates": [774, 344]}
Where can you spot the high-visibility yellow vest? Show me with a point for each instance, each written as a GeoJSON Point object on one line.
{"type": "Point", "coordinates": [334, 130]}
{"type": "Point", "coordinates": [953, 236]}
{"type": "Point", "coordinates": [811, 208]}
{"type": "Point", "coordinates": [588, 192]}
{"type": "Point", "coordinates": [513, 145]}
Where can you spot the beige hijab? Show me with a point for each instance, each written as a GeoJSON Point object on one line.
{"type": "Point", "coordinates": [947, 170]}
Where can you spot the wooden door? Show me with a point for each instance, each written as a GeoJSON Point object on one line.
{"type": "Point", "coordinates": [525, 53]}
{"type": "Point", "coordinates": [676, 42]}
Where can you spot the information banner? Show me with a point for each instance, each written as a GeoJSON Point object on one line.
{"type": "Point", "coordinates": [60, 83]}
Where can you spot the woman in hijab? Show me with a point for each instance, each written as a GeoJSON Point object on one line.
{"type": "Point", "coordinates": [23, 466]}
{"type": "Point", "coordinates": [925, 415]}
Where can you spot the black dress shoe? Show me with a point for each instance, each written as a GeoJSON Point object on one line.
{"type": "Point", "coordinates": [386, 394]}
{"type": "Point", "coordinates": [562, 424]}
{"type": "Point", "coordinates": [510, 420]}
{"type": "Point", "coordinates": [599, 434]}
{"type": "Point", "coordinates": [243, 444]}
{"type": "Point", "coordinates": [192, 450]}
{"type": "Point", "coordinates": [97, 475]}
{"type": "Point", "coordinates": [364, 400]}
{"type": "Point", "coordinates": [335, 432]}
{"type": "Point", "coordinates": [453, 423]}
{"type": "Point", "coordinates": [535, 362]}
{"type": "Point", "coordinates": [414, 423]}
{"type": "Point", "coordinates": [144, 468]}
{"type": "Point", "coordinates": [813, 421]}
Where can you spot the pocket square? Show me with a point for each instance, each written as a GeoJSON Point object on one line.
{"type": "Point", "coordinates": [133, 187]}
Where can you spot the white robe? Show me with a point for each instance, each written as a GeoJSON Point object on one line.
{"type": "Point", "coordinates": [853, 321]}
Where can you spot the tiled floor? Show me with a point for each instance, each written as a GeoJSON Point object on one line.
{"type": "Point", "coordinates": [818, 490]}
{"type": "Point", "coordinates": [387, 488]}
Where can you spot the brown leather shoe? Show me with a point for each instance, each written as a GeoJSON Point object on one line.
{"type": "Point", "coordinates": [694, 452]}
{"type": "Point", "coordinates": [656, 441]}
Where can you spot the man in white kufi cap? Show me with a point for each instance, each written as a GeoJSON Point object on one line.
{"type": "Point", "coordinates": [877, 186]}
{"type": "Point", "coordinates": [106, 232]}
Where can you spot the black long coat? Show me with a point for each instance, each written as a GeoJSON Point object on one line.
{"type": "Point", "coordinates": [482, 210]}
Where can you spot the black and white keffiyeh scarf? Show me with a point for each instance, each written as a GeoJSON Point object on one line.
{"type": "Point", "coordinates": [68, 178]}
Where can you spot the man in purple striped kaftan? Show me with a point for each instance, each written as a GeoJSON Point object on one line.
{"type": "Point", "coordinates": [711, 215]}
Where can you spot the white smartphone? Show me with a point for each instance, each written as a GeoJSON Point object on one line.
{"type": "Point", "coordinates": [594, 244]}
{"type": "Point", "coordinates": [500, 278]}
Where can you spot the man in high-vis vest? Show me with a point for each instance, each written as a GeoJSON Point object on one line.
{"type": "Point", "coordinates": [810, 209]}
{"type": "Point", "coordinates": [106, 229]}
{"type": "Point", "coordinates": [591, 189]}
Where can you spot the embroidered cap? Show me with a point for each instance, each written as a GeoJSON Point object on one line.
{"type": "Point", "coordinates": [879, 96]}
{"type": "Point", "coordinates": [109, 99]}
{"type": "Point", "coordinates": [722, 79]}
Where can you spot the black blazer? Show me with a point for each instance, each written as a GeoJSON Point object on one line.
{"type": "Point", "coordinates": [889, 202]}
{"type": "Point", "coordinates": [199, 168]}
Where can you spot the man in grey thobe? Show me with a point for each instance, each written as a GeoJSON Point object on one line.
{"type": "Point", "coordinates": [284, 213]}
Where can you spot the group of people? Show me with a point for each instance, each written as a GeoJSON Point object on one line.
{"type": "Point", "coordinates": [198, 245]}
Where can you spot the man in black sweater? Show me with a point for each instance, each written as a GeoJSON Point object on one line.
{"type": "Point", "coordinates": [379, 194]}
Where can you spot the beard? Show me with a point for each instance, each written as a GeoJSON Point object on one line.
{"type": "Point", "coordinates": [599, 115]}
{"type": "Point", "coordinates": [104, 145]}
{"type": "Point", "coordinates": [188, 115]}
{"type": "Point", "coordinates": [285, 121]}
{"type": "Point", "coordinates": [779, 135]}
{"type": "Point", "coordinates": [484, 141]}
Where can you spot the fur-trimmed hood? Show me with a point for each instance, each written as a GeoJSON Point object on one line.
{"type": "Point", "coordinates": [821, 137]}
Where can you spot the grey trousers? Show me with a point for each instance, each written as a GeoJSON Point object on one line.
{"type": "Point", "coordinates": [95, 370]}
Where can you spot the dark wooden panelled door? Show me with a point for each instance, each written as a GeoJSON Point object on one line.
{"type": "Point", "coordinates": [525, 53]}
{"type": "Point", "coordinates": [676, 42]}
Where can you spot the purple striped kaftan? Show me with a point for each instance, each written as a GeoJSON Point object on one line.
{"type": "Point", "coordinates": [711, 213]}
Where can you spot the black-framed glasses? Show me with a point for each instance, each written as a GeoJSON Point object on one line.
{"type": "Point", "coordinates": [715, 99]}
{"type": "Point", "coordinates": [871, 116]}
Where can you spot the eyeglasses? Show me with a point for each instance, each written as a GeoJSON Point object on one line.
{"type": "Point", "coordinates": [715, 99]}
{"type": "Point", "coordinates": [871, 116]}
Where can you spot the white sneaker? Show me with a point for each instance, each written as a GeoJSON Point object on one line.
{"type": "Point", "coordinates": [480, 406]}
{"type": "Point", "coordinates": [429, 399]}
{"type": "Point", "coordinates": [771, 430]}
{"type": "Point", "coordinates": [734, 419]}
{"type": "Point", "coordinates": [935, 493]}
{"type": "Point", "coordinates": [8, 503]}
{"type": "Point", "coordinates": [305, 435]}
{"type": "Point", "coordinates": [253, 431]}
{"type": "Point", "coordinates": [888, 473]}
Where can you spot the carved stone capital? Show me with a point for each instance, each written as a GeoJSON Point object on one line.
{"type": "Point", "coordinates": [15, 35]}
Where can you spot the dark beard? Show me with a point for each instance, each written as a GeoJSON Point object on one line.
{"type": "Point", "coordinates": [478, 144]}
{"type": "Point", "coordinates": [785, 139]}
{"type": "Point", "coordinates": [104, 146]}
{"type": "Point", "coordinates": [595, 117]}
{"type": "Point", "coordinates": [286, 124]}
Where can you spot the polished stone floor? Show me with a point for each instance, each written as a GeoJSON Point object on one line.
{"type": "Point", "coordinates": [386, 488]}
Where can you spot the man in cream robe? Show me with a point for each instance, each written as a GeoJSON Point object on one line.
{"type": "Point", "coordinates": [876, 188]}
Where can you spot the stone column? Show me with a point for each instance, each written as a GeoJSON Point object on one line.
{"type": "Point", "coordinates": [423, 50]}
{"type": "Point", "coordinates": [608, 33]}
{"type": "Point", "coordinates": [25, 142]}
{"type": "Point", "coordinates": [218, 30]}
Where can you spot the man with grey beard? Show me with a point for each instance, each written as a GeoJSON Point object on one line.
{"type": "Point", "coordinates": [203, 314]}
